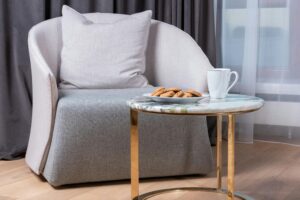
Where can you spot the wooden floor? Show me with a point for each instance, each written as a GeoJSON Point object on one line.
{"type": "Point", "coordinates": [264, 171]}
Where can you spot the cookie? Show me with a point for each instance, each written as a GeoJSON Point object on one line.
{"type": "Point", "coordinates": [174, 89]}
{"type": "Point", "coordinates": [187, 95]}
{"type": "Point", "coordinates": [179, 94]}
{"type": "Point", "coordinates": [168, 94]}
{"type": "Point", "coordinates": [194, 93]}
{"type": "Point", "coordinates": [158, 91]}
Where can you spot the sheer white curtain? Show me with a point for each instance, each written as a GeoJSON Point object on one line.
{"type": "Point", "coordinates": [261, 40]}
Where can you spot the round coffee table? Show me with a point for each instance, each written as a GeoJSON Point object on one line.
{"type": "Point", "coordinates": [232, 105]}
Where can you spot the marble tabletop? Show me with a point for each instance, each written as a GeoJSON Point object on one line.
{"type": "Point", "coordinates": [233, 103]}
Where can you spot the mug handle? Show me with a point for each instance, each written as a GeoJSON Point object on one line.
{"type": "Point", "coordinates": [235, 80]}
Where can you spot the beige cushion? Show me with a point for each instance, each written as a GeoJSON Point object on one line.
{"type": "Point", "coordinates": [103, 55]}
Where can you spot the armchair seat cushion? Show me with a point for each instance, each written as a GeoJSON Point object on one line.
{"type": "Point", "coordinates": [91, 139]}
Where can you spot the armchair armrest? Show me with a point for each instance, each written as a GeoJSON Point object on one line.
{"type": "Point", "coordinates": [174, 59]}
{"type": "Point", "coordinates": [45, 95]}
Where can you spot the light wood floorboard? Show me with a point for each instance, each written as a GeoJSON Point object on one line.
{"type": "Point", "coordinates": [264, 171]}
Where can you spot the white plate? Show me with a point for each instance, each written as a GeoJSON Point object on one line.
{"type": "Point", "coordinates": [176, 99]}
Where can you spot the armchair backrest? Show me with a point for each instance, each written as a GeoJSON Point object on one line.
{"type": "Point", "coordinates": [173, 58]}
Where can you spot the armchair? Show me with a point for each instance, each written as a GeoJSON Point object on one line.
{"type": "Point", "coordinates": [83, 135]}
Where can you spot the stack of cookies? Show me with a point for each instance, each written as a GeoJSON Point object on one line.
{"type": "Point", "coordinates": [175, 92]}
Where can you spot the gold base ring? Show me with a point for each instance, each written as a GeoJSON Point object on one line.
{"type": "Point", "coordinates": [183, 189]}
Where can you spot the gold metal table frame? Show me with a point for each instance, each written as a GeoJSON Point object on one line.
{"type": "Point", "coordinates": [230, 192]}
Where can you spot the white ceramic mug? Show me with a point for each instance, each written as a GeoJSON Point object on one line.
{"type": "Point", "coordinates": [218, 81]}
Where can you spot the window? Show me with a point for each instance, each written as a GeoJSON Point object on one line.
{"type": "Point", "coordinates": [275, 22]}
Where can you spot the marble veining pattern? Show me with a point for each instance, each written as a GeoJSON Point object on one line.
{"type": "Point", "coordinates": [232, 103]}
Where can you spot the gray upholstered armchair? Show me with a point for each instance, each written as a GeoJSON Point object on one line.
{"type": "Point", "coordinates": [80, 135]}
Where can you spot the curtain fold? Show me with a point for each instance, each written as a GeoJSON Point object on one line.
{"type": "Point", "coordinates": [245, 123]}
{"type": "Point", "coordinates": [17, 17]}
{"type": "Point", "coordinates": [15, 76]}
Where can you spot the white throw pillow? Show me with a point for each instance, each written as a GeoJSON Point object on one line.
{"type": "Point", "coordinates": [103, 55]}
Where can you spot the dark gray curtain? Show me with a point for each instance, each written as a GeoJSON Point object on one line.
{"type": "Point", "coordinates": [18, 16]}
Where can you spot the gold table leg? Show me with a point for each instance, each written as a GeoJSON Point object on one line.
{"type": "Point", "coordinates": [231, 145]}
{"type": "Point", "coordinates": [134, 159]}
{"type": "Point", "coordinates": [219, 152]}
{"type": "Point", "coordinates": [134, 153]}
